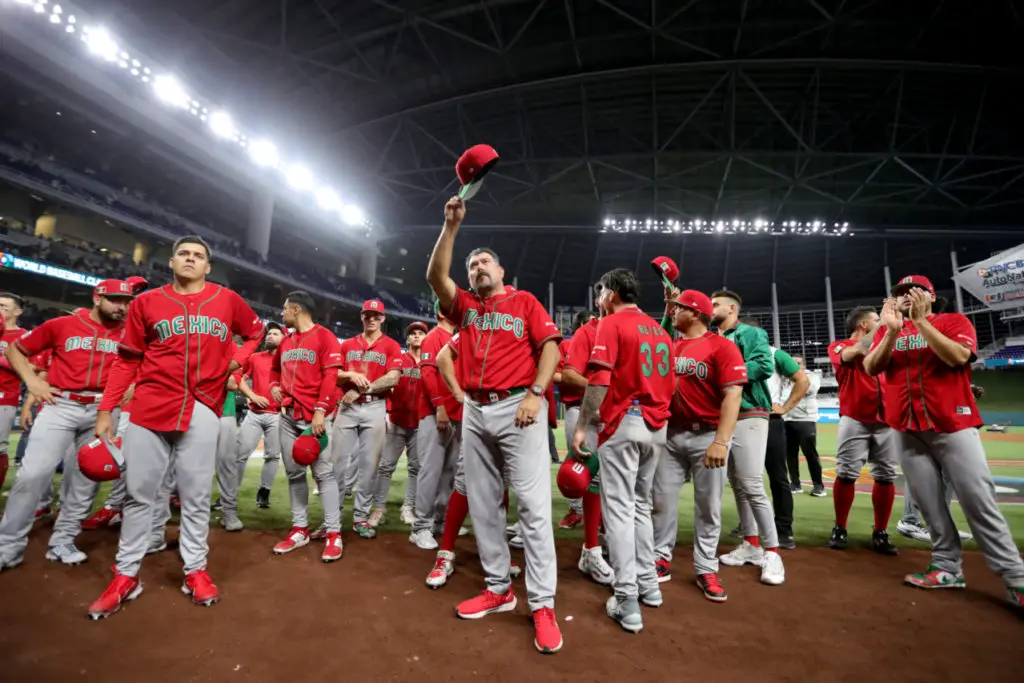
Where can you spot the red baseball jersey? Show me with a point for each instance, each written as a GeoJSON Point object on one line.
{"type": "Point", "coordinates": [704, 367]}
{"type": "Point", "coordinates": [501, 336]}
{"type": "Point", "coordinates": [82, 351]}
{"type": "Point", "coordinates": [373, 360]}
{"type": "Point", "coordinates": [922, 393]}
{"type": "Point", "coordinates": [403, 405]}
{"type": "Point", "coordinates": [435, 390]}
{"type": "Point", "coordinates": [177, 348]}
{"type": "Point", "coordinates": [634, 350]}
{"type": "Point", "coordinates": [10, 382]}
{"type": "Point", "coordinates": [305, 366]}
{"type": "Point", "coordinates": [257, 371]}
{"type": "Point", "coordinates": [860, 394]}
{"type": "Point", "coordinates": [576, 356]}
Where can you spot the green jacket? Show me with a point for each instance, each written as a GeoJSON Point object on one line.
{"type": "Point", "coordinates": [229, 405]}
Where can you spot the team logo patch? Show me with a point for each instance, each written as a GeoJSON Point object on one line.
{"type": "Point", "coordinates": [963, 410]}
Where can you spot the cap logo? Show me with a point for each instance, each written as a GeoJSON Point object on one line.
{"type": "Point", "coordinates": [907, 280]}
{"type": "Point", "coordinates": [664, 266]}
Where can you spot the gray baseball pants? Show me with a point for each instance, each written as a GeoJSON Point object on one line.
{"type": "Point", "coordinates": [323, 472]}
{"type": "Point", "coordinates": [926, 457]}
{"type": "Point", "coordinates": [683, 460]}
{"type": "Point", "coordinates": [441, 458]}
{"type": "Point", "coordinates": [359, 431]}
{"type": "Point", "coordinates": [746, 476]}
{"type": "Point", "coordinates": [397, 439]}
{"type": "Point", "coordinates": [256, 426]}
{"type": "Point", "coordinates": [8, 414]}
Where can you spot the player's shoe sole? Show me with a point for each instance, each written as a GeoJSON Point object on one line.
{"type": "Point", "coordinates": [277, 550]}
{"type": "Point", "coordinates": [507, 606]}
{"type": "Point", "coordinates": [96, 616]}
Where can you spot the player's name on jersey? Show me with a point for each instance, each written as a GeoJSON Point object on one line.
{"type": "Point", "coordinates": [651, 331]}
{"type": "Point", "coordinates": [91, 344]}
{"type": "Point", "coordinates": [292, 355]}
{"type": "Point", "coordinates": [366, 357]}
{"type": "Point", "coordinates": [197, 324]}
{"type": "Point", "coordinates": [495, 321]}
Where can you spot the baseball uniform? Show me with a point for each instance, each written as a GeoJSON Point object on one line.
{"type": "Point", "coordinates": [177, 350]}
{"type": "Point", "coordinates": [259, 423]}
{"type": "Point", "coordinates": [935, 419]}
{"type": "Point", "coordinates": [499, 341]}
{"type": "Point", "coordinates": [306, 369]}
{"type": "Point", "coordinates": [775, 465]}
{"type": "Point", "coordinates": [402, 423]}
{"type": "Point", "coordinates": [10, 395]}
{"type": "Point", "coordinates": [863, 438]}
{"type": "Point", "coordinates": [110, 514]}
{"type": "Point", "coordinates": [571, 397]}
{"type": "Point", "coordinates": [439, 450]}
{"type": "Point", "coordinates": [82, 355]}
{"type": "Point", "coordinates": [704, 367]}
{"type": "Point", "coordinates": [228, 472]}
{"type": "Point", "coordinates": [632, 356]}
{"type": "Point", "coordinates": [801, 426]}
{"type": "Point", "coordinates": [360, 428]}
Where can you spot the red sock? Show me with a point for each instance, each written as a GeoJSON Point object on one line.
{"type": "Point", "coordinates": [504, 500]}
{"type": "Point", "coordinates": [591, 518]}
{"type": "Point", "coordinates": [753, 540]}
{"type": "Point", "coordinates": [842, 499]}
{"type": "Point", "coordinates": [882, 496]}
{"type": "Point", "coordinates": [772, 550]}
{"type": "Point", "coordinates": [4, 463]}
{"type": "Point", "coordinates": [458, 508]}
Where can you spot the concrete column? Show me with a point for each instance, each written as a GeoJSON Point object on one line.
{"type": "Point", "coordinates": [956, 286]}
{"type": "Point", "coordinates": [368, 263]}
{"type": "Point", "coordinates": [261, 216]}
{"type": "Point", "coordinates": [46, 226]}
{"type": "Point", "coordinates": [831, 311]}
{"type": "Point", "coordinates": [140, 254]}
{"type": "Point", "coordinates": [776, 334]}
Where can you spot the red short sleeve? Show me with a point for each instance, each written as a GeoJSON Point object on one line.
{"type": "Point", "coordinates": [732, 371]}
{"type": "Point", "coordinates": [394, 358]}
{"type": "Point", "coordinates": [835, 354]}
{"type": "Point", "coordinates": [247, 323]}
{"type": "Point", "coordinates": [453, 344]}
{"type": "Point", "coordinates": [460, 304]}
{"type": "Point", "coordinates": [539, 324]}
{"type": "Point", "coordinates": [958, 327]}
{"type": "Point", "coordinates": [579, 351]}
{"type": "Point", "coordinates": [879, 334]}
{"type": "Point", "coordinates": [38, 340]}
{"type": "Point", "coordinates": [330, 355]}
{"type": "Point", "coordinates": [134, 339]}
{"type": "Point", "coordinates": [605, 353]}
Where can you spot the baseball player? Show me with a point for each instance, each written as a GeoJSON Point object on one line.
{"type": "Point", "coordinates": [801, 426]}
{"type": "Point", "coordinates": [787, 388]}
{"type": "Point", "coordinates": [371, 366]}
{"type": "Point", "coordinates": [226, 467]}
{"type": "Point", "coordinates": [304, 379]}
{"type": "Point", "coordinates": [439, 441]}
{"type": "Point", "coordinates": [262, 421]}
{"type": "Point", "coordinates": [863, 435]}
{"type": "Point", "coordinates": [82, 348]}
{"type": "Point", "coordinates": [926, 358]}
{"type": "Point", "coordinates": [631, 348]}
{"type": "Point", "coordinates": [570, 394]}
{"type": "Point", "coordinates": [574, 384]}
{"type": "Point", "coordinates": [749, 443]}
{"type": "Point", "coordinates": [510, 354]}
{"type": "Point", "coordinates": [178, 350]}
{"type": "Point", "coordinates": [11, 307]}
{"type": "Point", "coordinates": [402, 424]}
{"type": "Point", "coordinates": [709, 375]}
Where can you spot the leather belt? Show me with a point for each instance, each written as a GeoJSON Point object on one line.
{"type": "Point", "coordinates": [486, 397]}
{"type": "Point", "coordinates": [84, 399]}
{"type": "Point", "coordinates": [368, 398]}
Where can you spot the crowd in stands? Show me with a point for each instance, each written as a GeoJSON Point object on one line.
{"type": "Point", "coordinates": [22, 155]}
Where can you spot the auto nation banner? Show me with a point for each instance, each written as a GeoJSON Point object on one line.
{"type": "Point", "coordinates": [998, 281]}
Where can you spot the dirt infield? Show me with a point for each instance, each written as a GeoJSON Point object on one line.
{"type": "Point", "coordinates": [369, 617]}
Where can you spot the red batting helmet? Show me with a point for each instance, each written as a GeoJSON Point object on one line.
{"type": "Point", "coordinates": [574, 478]}
{"type": "Point", "coordinates": [101, 460]}
{"type": "Point", "coordinates": [308, 448]}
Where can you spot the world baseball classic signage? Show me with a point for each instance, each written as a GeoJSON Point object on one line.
{"type": "Point", "coordinates": [997, 281]}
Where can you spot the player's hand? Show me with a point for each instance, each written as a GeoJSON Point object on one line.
{"type": "Point", "coordinates": [459, 396]}
{"type": "Point", "coordinates": [42, 390]}
{"type": "Point", "coordinates": [127, 396]}
{"type": "Point", "coordinates": [891, 317]}
{"type": "Point", "coordinates": [978, 391]}
{"type": "Point", "coordinates": [715, 455]}
{"type": "Point", "coordinates": [454, 212]}
{"type": "Point", "coordinates": [318, 425]}
{"type": "Point", "coordinates": [26, 419]}
{"type": "Point", "coordinates": [671, 292]}
{"type": "Point", "coordinates": [579, 438]}
{"type": "Point", "coordinates": [443, 421]}
{"type": "Point", "coordinates": [104, 424]}
{"type": "Point", "coordinates": [526, 413]}
{"type": "Point", "coordinates": [278, 397]}
{"type": "Point", "coordinates": [778, 410]}
{"type": "Point", "coordinates": [262, 401]}
{"type": "Point", "coordinates": [919, 304]}
{"type": "Point", "coordinates": [350, 397]}
{"type": "Point", "coordinates": [360, 380]}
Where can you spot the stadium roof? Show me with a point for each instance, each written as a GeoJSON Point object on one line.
{"type": "Point", "coordinates": [882, 115]}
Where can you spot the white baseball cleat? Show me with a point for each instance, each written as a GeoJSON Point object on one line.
{"type": "Point", "coordinates": [231, 522]}
{"type": "Point", "coordinates": [444, 566]}
{"type": "Point", "coordinates": [772, 571]}
{"type": "Point", "coordinates": [423, 539]}
{"type": "Point", "coordinates": [743, 554]}
{"type": "Point", "coordinates": [156, 545]}
{"type": "Point", "coordinates": [913, 531]}
{"type": "Point", "coordinates": [407, 515]}
{"type": "Point", "coordinates": [66, 554]}
{"type": "Point", "coordinates": [463, 531]}
{"type": "Point", "coordinates": [592, 563]}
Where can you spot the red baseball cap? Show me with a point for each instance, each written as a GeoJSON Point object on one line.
{"type": "Point", "coordinates": [138, 283]}
{"type": "Point", "coordinates": [694, 300]}
{"type": "Point", "coordinates": [101, 460]}
{"type": "Point", "coordinates": [373, 305]}
{"type": "Point", "coordinates": [416, 325]}
{"type": "Point", "coordinates": [114, 288]}
{"type": "Point", "coordinates": [665, 268]}
{"type": "Point", "coordinates": [471, 168]}
{"type": "Point", "coordinates": [911, 281]}
{"type": "Point", "coordinates": [307, 448]}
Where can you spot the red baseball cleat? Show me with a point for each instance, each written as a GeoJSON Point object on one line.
{"type": "Point", "coordinates": [711, 587]}
{"type": "Point", "coordinates": [333, 547]}
{"type": "Point", "coordinates": [122, 589]}
{"type": "Point", "coordinates": [548, 638]}
{"type": "Point", "coordinates": [297, 537]}
{"type": "Point", "coordinates": [486, 603]}
{"type": "Point", "coordinates": [102, 518]}
{"type": "Point", "coordinates": [571, 520]}
{"type": "Point", "coordinates": [444, 566]}
{"type": "Point", "coordinates": [200, 586]}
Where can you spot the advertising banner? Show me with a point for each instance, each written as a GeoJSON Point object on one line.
{"type": "Point", "coordinates": [998, 281]}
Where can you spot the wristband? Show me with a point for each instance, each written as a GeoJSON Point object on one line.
{"type": "Point", "coordinates": [723, 445]}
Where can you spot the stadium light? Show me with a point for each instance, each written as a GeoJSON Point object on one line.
{"type": "Point", "coordinates": [104, 45]}
{"type": "Point", "coordinates": [327, 199]}
{"type": "Point", "coordinates": [734, 226]}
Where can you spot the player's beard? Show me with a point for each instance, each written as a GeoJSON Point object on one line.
{"type": "Point", "coordinates": [716, 321]}
{"type": "Point", "coordinates": [112, 317]}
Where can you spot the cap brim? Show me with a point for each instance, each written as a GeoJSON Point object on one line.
{"type": "Point", "coordinates": [469, 190]}
{"type": "Point", "coordinates": [897, 290]}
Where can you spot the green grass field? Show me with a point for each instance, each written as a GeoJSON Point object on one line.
{"type": "Point", "coordinates": [814, 516]}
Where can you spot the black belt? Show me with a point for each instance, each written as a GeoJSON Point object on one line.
{"type": "Point", "coordinates": [486, 397]}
